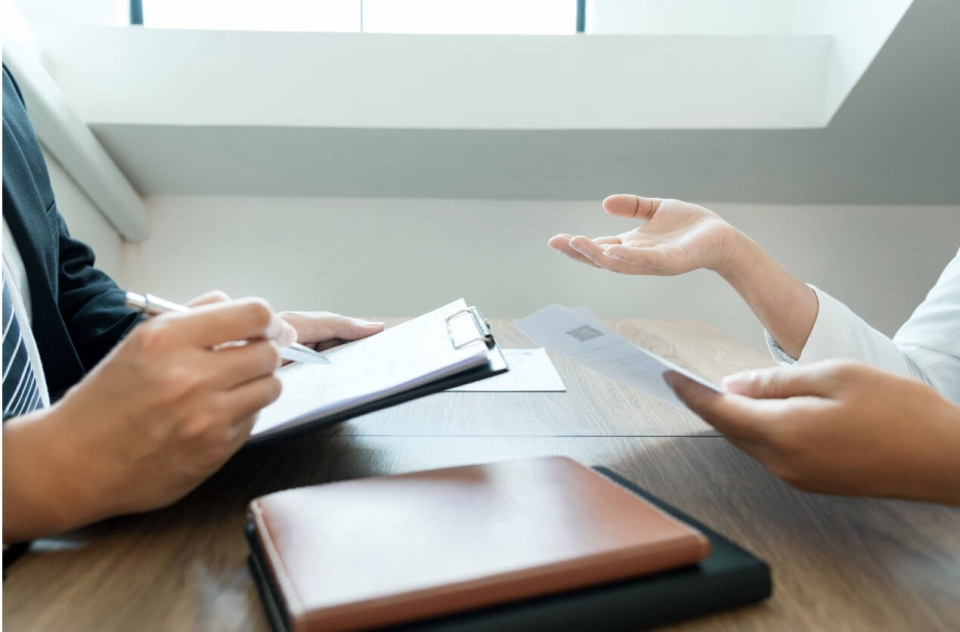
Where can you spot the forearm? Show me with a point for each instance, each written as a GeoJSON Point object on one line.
{"type": "Point", "coordinates": [786, 306]}
{"type": "Point", "coordinates": [41, 496]}
{"type": "Point", "coordinates": [936, 459]}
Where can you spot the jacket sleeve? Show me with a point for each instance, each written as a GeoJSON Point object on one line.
{"type": "Point", "coordinates": [92, 315]}
{"type": "Point", "coordinates": [91, 304]}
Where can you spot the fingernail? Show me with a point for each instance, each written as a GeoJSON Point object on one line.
{"type": "Point", "coordinates": [738, 382]}
{"type": "Point", "coordinates": [373, 325]}
{"type": "Point", "coordinates": [670, 377]}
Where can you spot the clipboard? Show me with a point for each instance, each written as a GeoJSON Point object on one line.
{"type": "Point", "coordinates": [442, 349]}
{"type": "Point", "coordinates": [483, 333]}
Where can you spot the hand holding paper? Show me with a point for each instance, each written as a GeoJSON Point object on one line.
{"type": "Point", "coordinates": [578, 335]}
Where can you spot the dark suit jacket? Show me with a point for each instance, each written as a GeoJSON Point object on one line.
{"type": "Point", "coordinates": [78, 311]}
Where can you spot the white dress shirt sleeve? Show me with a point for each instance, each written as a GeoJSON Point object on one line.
{"type": "Point", "coordinates": [926, 348]}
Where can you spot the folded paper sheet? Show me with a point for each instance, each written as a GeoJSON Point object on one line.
{"type": "Point", "coordinates": [531, 371]}
{"type": "Point", "coordinates": [578, 335]}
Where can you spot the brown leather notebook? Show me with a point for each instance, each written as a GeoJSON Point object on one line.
{"type": "Point", "coordinates": [383, 551]}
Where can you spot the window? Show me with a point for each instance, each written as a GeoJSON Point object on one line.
{"type": "Point", "coordinates": [546, 17]}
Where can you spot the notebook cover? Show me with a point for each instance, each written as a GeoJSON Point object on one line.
{"type": "Point", "coordinates": [383, 551]}
{"type": "Point", "coordinates": [495, 366]}
{"type": "Point", "coordinates": [730, 577]}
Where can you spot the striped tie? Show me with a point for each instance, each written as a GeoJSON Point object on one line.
{"type": "Point", "coordinates": [20, 391]}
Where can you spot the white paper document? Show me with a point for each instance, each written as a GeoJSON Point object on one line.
{"type": "Point", "coordinates": [531, 371]}
{"type": "Point", "coordinates": [578, 335]}
{"type": "Point", "coordinates": [436, 345]}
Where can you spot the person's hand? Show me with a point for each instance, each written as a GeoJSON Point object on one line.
{"type": "Point", "coordinates": [838, 427]}
{"type": "Point", "coordinates": [164, 410]}
{"type": "Point", "coordinates": [677, 237]}
{"type": "Point", "coordinates": [323, 330]}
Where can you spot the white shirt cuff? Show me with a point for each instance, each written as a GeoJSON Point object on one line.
{"type": "Point", "coordinates": [839, 333]}
{"type": "Point", "coordinates": [776, 351]}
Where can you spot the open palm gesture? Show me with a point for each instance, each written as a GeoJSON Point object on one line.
{"type": "Point", "coordinates": [676, 237]}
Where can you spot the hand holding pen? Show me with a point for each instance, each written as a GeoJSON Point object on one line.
{"type": "Point", "coordinates": [284, 334]}
{"type": "Point", "coordinates": [162, 411]}
{"type": "Point", "coordinates": [159, 413]}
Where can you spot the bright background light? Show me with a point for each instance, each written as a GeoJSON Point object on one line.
{"type": "Point", "coordinates": [274, 15]}
{"type": "Point", "coordinates": [520, 17]}
{"type": "Point", "coordinates": [373, 16]}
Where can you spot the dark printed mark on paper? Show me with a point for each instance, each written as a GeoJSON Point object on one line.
{"type": "Point", "coordinates": [585, 333]}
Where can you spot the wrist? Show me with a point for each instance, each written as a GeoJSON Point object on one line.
{"type": "Point", "coordinates": [786, 307]}
{"type": "Point", "coordinates": [31, 496]}
{"type": "Point", "coordinates": [80, 472]}
{"type": "Point", "coordinates": [46, 488]}
{"type": "Point", "coordinates": [742, 255]}
{"type": "Point", "coordinates": [942, 483]}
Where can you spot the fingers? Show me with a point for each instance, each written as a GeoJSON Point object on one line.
{"type": "Point", "coordinates": [610, 253]}
{"type": "Point", "coordinates": [597, 255]}
{"type": "Point", "coordinates": [734, 416]}
{"type": "Point", "coordinates": [214, 296]}
{"type": "Point", "coordinates": [236, 365]}
{"type": "Point", "coordinates": [314, 327]}
{"type": "Point", "coordinates": [652, 260]}
{"type": "Point", "coordinates": [624, 205]}
{"type": "Point", "coordinates": [562, 243]}
{"type": "Point", "coordinates": [589, 249]}
{"type": "Point", "coordinates": [824, 379]}
{"type": "Point", "coordinates": [248, 398]}
{"type": "Point", "coordinates": [619, 258]}
{"type": "Point", "coordinates": [219, 323]}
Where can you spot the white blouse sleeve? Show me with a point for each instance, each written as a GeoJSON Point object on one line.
{"type": "Point", "coordinates": [931, 337]}
{"type": "Point", "coordinates": [926, 348]}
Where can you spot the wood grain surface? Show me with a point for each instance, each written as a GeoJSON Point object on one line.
{"type": "Point", "coordinates": [838, 563]}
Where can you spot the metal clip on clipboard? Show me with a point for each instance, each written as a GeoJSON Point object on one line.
{"type": "Point", "coordinates": [483, 333]}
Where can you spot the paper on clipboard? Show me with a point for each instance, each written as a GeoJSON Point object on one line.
{"type": "Point", "coordinates": [578, 335]}
{"type": "Point", "coordinates": [432, 347]}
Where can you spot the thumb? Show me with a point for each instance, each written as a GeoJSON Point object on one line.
{"type": "Point", "coordinates": [782, 382]}
{"type": "Point", "coordinates": [735, 417]}
{"type": "Point", "coordinates": [625, 205]}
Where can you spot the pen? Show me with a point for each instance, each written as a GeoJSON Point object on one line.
{"type": "Point", "coordinates": [153, 306]}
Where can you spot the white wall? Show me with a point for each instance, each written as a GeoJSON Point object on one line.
{"type": "Point", "coordinates": [84, 219]}
{"type": "Point", "coordinates": [382, 257]}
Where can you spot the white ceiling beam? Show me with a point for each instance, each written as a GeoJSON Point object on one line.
{"type": "Point", "coordinates": [191, 77]}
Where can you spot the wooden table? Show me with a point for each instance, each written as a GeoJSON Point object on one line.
{"type": "Point", "coordinates": [838, 563]}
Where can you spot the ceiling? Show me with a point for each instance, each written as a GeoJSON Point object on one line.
{"type": "Point", "coordinates": [895, 140]}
